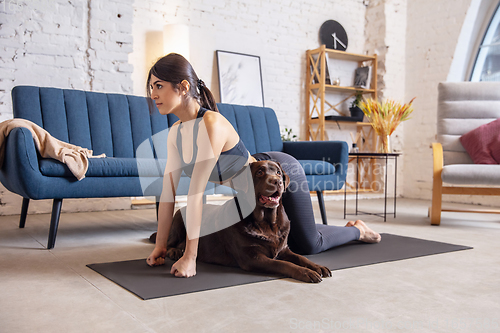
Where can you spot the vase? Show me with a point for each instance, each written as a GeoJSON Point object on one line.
{"type": "Point", "coordinates": [384, 144]}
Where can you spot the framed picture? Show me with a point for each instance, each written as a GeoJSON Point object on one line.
{"type": "Point", "coordinates": [240, 78]}
{"type": "Point", "coordinates": [363, 77]}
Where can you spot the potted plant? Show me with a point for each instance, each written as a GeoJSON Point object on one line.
{"type": "Point", "coordinates": [356, 111]}
{"type": "Point", "coordinates": [288, 135]}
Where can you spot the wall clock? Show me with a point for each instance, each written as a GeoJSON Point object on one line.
{"type": "Point", "coordinates": [333, 35]}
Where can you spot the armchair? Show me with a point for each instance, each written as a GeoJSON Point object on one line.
{"type": "Point", "coordinates": [462, 107]}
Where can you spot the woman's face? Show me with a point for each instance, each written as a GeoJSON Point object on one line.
{"type": "Point", "coordinates": [164, 95]}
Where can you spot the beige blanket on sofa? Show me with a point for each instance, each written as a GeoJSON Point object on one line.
{"type": "Point", "coordinates": [75, 157]}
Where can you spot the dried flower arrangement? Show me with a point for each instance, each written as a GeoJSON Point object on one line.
{"type": "Point", "coordinates": [385, 116]}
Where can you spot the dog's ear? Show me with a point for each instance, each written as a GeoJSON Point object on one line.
{"type": "Point", "coordinates": [286, 179]}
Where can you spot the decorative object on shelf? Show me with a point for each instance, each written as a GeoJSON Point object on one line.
{"type": "Point", "coordinates": [287, 135]}
{"type": "Point", "coordinates": [333, 35]}
{"type": "Point", "coordinates": [336, 82]}
{"type": "Point", "coordinates": [240, 78]}
{"type": "Point", "coordinates": [355, 110]}
{"type": "Point", "coordinates": [363, 77]}
{"type": "Point", "coordinates": [385, 117]}
{"type": "Point", "coordinates": [355, 148]}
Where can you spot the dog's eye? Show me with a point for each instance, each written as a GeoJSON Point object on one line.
{"type": "Point", "coordinates": [278, 173]}
{"type": "Point", "coordinates": [259, 173]}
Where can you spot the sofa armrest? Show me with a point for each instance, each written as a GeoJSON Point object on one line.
{"type": "Point", "coordinates": [437, 183]}
{"type": "Point", "coordinates": [334, 152]}
{"type": "Point", "coordinates": [437, 156]}
{"type": "Point", "coordinates": [20, 163]}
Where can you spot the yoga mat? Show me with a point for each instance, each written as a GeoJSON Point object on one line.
{"type": "Point", "coordinates": [153, 282]}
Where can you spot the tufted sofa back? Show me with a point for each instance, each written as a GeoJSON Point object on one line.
{"type": "Point", "coordinates": [113, 124]}
{"type": "Point", "coordinates": [117, 124]}
{"type": "Point", "coordinates": [462, 107]}
{"type": "Point", "coordinates": [258, 127]}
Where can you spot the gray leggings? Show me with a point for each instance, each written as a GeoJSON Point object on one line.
{"type": "Point", "coordinates": [306, 237]}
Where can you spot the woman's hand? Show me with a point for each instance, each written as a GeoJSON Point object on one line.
{"type": "Point", "coordinates": [184, 267]}
{"type": "Point", "coordinates": [157, 257]}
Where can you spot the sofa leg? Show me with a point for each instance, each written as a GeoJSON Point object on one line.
{"type": "Point", "coordinates": [24, 212]}
{"type": "Point", "coordinates": [157, 207]}
{"type": "Point", "coordinates": [54, 222]}
{"type": "Point", "coordinates": [321, 203]}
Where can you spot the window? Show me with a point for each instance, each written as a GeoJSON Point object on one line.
{"type": "Point", "coordinates": [487, 65]}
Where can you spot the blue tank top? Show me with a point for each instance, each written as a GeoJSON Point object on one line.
{"type": "Point", "coordinates": [230, 162]}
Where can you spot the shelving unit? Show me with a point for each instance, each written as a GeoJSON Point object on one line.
{"type": "Point", "coordinates": [315, 92]}
{"type": "Point", "coordinates": [316, 104]}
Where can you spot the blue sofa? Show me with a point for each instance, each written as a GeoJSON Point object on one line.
{"type": "Point", "coordinates": [133, 140]}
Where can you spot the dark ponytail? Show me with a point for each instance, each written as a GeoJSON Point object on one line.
{"type": "Point", "coordinates": [174, 68]}
{"type": "Point", "coordinates": [206, 98]}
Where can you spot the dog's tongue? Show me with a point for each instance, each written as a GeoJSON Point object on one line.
{"type": "Point", "coordinates": [269, 200]}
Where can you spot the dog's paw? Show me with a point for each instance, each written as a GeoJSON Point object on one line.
{"type": "Point", "coordinates": [308, 275]}
{"type": "Point", "coordinates": [174, 253]}
{"type": "Point", "coordinates": [324, 271]}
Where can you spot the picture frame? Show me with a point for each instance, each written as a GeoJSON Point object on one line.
{"type": "Point", "coordinates": [363, 77]}
{"type": "Point", "coordinates": [240, 78]}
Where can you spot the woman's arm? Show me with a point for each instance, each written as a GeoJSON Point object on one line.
{"type": "Point", "coordinates": [166, 207]}
{"type": "Point", "coordinates": [212, 136]}
{"type": "Point", "coordinates": [167, 201]}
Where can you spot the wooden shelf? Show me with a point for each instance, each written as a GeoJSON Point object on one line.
{"type": "Point", "coordinates": [357, 123]}
{"type": "Point", "coordinates": [341, 55]}
{"type": "Point", "coordinates": [343, 88]}
{"type": "Point", "coordinates": [317, 105]}
{"type": "Point", "coordinates": [316, 87]}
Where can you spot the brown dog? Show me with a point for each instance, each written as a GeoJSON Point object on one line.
{"type": "Point", "coordinates": [258, 242]}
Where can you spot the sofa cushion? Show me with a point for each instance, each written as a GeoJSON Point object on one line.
{"type": "Point", "coordinates": [108, 167]}
{"type": "Point", "coordinates": [471, 174]}
{"type": "Point", "coordinates": [480, 142]}
{"type": "Point", "coordinates": [317, 167]}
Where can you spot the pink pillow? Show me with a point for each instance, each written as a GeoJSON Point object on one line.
{"type": "Point", "coordinates": [495, 149]}
{"type": "Point", "coordinates": [482, 141]}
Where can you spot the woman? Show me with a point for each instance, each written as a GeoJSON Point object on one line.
{"type": "Point", "coordinates": [203, 136]}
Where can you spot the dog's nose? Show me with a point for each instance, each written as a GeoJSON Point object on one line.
{"type": "Point", "coordinates": [276, 180]}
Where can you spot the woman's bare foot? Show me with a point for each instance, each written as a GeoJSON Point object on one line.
{"type": "Point", "coordinates": [366, 234]}
{"type": "Point", "coordinates": [350, 224]}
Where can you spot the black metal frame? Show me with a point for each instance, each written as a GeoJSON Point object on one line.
{"type": "Point", "coordinates": [377, 156]}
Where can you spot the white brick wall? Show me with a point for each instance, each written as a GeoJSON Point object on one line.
{"type": "Point", "coordinates": [385, 31]}
{"type": "Point", "coordinates": [279, 31]}
{"type": "Point", "coordinates": [109, 46]}
{"type": "Point", "coordinates": [80, 44]}
{"type": "Point", "coordinates": [67, 44]}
